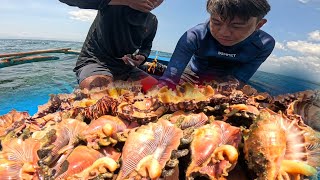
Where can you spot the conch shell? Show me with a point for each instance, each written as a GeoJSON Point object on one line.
{"type": "Point", "coordinates": [308, 107]}
{"type": "Point", "coordinates": [147, 150]}
{"type": "Point", "coordinates": [214, 150]}
{"type": "Point", "coordinates": [18, 159]}
{"type": "Point", "coordinates": [278, 148]}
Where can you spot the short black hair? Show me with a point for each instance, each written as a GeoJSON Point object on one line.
{"type": "Point", "coordinates": [244, 9]}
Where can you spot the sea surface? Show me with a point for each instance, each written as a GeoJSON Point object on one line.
{"type": "Point", "coordinates": [23, 87]}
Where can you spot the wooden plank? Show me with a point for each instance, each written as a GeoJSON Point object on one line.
{"type": "Point", "coordinates": [72, 52]}
{"type": "Point", "coordinates": [61, 50]}
{"type": "Point", "coordinates": [28, 59]}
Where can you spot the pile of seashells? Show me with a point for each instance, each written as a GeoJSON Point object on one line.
{"type": "Point", "coordinates": [212, 131]}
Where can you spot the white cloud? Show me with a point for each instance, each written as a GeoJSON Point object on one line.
{"type": "Point", "coordinates": [314, 36]}
{"type": "Point", "coordinates": [309, 1]}
{"type": "Point", "coordinates": [302, 67]}
{"type": "Point", "coordinates": [304, 47]}
{"type": "Point", "coordinates": [301, 59]}
{"type": "Point", "coordinates": [304, 1]}
{"type": "Point", "coordinates": [83, 15]}
{"type": "Point", "coordinates": [309, 63]}
{"type": "Point", "coordinates": [280, 46]}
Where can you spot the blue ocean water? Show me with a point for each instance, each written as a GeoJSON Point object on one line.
{"type": "Point", "coordinates": [23, 87]}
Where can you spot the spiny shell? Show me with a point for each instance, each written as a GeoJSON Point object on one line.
{"type": "Point", "coordinates": [143, 112]}
{"type": "Point", "coordinates": [13, 120]}
{"type": "Point", "coordinates": [104, 106]}
{"type": "Point", "coordinates": [186, 97]}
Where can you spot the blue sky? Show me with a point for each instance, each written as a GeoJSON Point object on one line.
{"type": "Point", "coordinates": [295, 24]}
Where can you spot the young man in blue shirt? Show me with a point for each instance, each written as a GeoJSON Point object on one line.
{"type": "Point", "coordinates": [119, 40]}
{"type": "Point", "coordinates": [229, 44]}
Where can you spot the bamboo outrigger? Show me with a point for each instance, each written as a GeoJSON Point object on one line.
{"type": "Point", "coordinates": [10, 59]}
{"type": "Point", "coordinates": [155, 65]}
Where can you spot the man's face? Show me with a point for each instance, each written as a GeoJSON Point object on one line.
{"type": "Point", "coordinates": [156, 3]}
{"type": "Point", "coordinates": [229, 33]}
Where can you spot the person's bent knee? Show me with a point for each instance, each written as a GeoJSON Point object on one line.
{"type": "Point", "coordinates": [95, 81]}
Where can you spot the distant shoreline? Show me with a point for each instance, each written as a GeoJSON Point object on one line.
{"type": "Point", "coordinates": [41, 40]}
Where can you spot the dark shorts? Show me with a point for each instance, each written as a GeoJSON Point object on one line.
{"type": "Point", "coordinates": [133, 74]}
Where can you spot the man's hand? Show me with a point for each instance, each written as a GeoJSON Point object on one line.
{"type": "Point", "coordinates": [133, 60]}
{"type": "Point", "coordinates": [140, 5]}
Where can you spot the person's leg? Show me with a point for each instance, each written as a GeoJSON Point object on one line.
{"type": "Point", "coordinates": [95, 81]}
{"type": "Point", "coordinates": [94, 75]}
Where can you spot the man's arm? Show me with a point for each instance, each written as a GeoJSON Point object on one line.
{"type": "Point", "coordinates": [186, 47]}
{"type": "Point", "coordinates": [146, 45]}
{"type": "Point", "coordinates": [85, 4]}
{"type": "Point", "coordinates": [140, 5]}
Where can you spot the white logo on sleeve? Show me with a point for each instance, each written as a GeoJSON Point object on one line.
{"type": "Point", "coordinates": [227, 54]}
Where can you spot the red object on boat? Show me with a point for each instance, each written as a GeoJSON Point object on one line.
{"type": "Point", "coordinates": [148, 82]}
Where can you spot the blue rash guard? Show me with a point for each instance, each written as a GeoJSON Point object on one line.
{"type": "Point", "coordinates": [209, 58]}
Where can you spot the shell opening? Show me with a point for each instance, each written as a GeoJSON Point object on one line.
{"type": "Point", "coordinates": [149, 166]}
{"type": "Point", "coordinates": [226, 151]}
{"type": "Point", "coordinates": [107, 130]}
{"type": "Point", "coordinates": [297, 167]}
{"type": "Point", "coordinates": [99, 165]}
